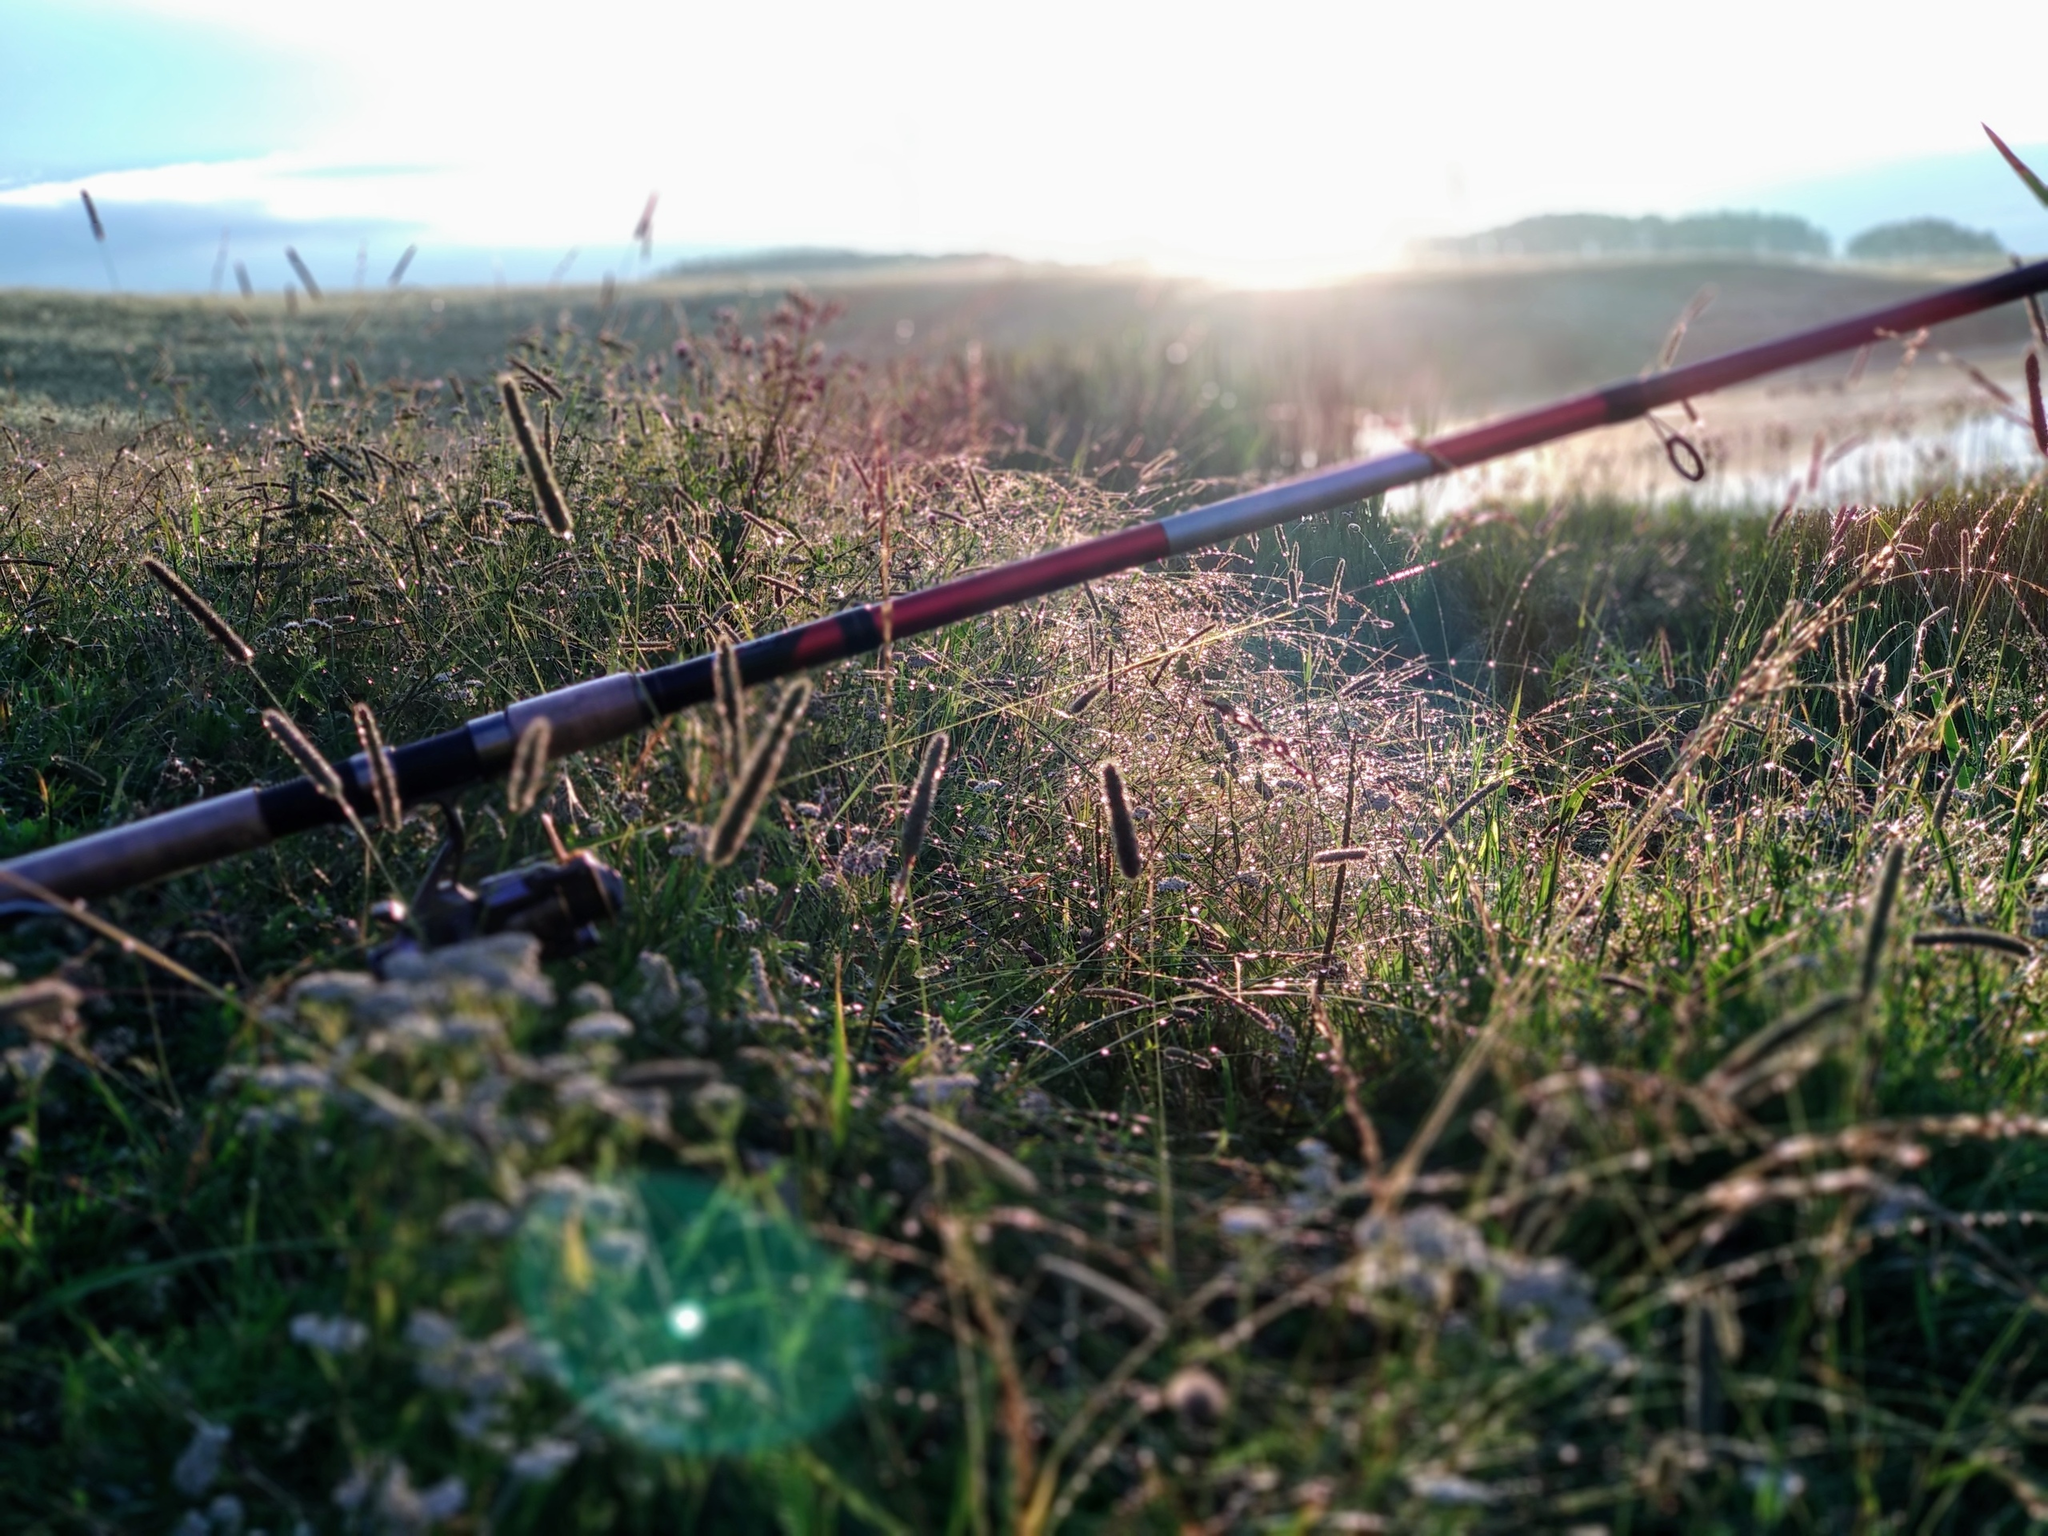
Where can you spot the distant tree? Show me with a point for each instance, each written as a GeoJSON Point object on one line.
{"type": "Point", "coordinates": [1759, 234]}
{"type": "Point", "coordinates": [1924, 240]}
{"type": "Point", "coordinates": [1602, 234]}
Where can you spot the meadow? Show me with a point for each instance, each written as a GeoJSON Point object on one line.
{"type": "Point", "coordinates": [1551, 1039]}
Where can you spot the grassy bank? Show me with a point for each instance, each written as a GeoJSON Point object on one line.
{"type": "Point", "coordinates": [1634, 1130]}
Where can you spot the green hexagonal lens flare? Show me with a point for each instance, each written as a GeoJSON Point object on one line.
{"type": "Point", "coordinates": [689, 1319]}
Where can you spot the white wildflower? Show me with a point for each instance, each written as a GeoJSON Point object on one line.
{"type": "Point", "coordinates": [500, 962]}
{"type": "Point", "coordinates": [293, 1077]}
{"type": "Point", "coordinates": [409, 1031]}
{"type": "Point", "coordinates": [1421, 1252]}
{"type": "Point", "coordinates": [600, 1028]}
{"type": "Point", "coordinates": [333, 988]}
{"type": "Point", "coordinates": [941, 1089]}
{"type": "Point", "coordinates": [476, 1218]}
{"type": "Point", "coordinates": [1448, 1488]}
{"type": "Point", "coordinates": [350, 1492]}
{"type": "Point", "coordinates": [478, 1424]}
{"type": "Point", "coordinates": [543, 1459]}
{"type": "Point", "coordinates": [1244, 1222]}
{"type": "Point", "coordinates": [199, 1463]}
{"type": "Point", "coordinates": [431, 1331]}
{"type": "Point", "coordinates": [869, 858]}
{"type": "Point", "coordinates": [659, 996]}
{"type": "Point", "coordinates": [621, 1249]}
{"type": "Point", "coordinates": [468, 1028]}
{"type": "Point", "coordinates": [330, 1335]}
{"type": "Point", "coordinates": [524, 1355]}
{"type": "Point", "coordinates": [31, 1063]}
{"type": "Point", "coordinates": [444, 1501]}
{"type": "Point", "coordinates": [1778, 1483]}
{"type": "Point", "coordinates": [721, 1107]}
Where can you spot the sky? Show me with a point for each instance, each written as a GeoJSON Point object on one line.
{"type": "Point", "coordinates": [1267, 144]}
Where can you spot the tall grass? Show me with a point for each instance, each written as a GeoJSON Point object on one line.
{"type": "Point", "coordinates": [1599, 1152]}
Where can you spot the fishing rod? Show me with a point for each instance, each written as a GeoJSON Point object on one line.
{"type": "Point", "coordinates": [591, 713]}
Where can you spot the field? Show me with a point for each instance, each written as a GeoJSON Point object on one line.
{"type": "Point", "coordinates": [1568, 1056]}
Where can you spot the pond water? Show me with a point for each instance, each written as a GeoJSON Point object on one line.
{"type": "Point", "coordinates": [1817, 446]}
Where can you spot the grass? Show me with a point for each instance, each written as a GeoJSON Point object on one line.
{"type": "Point", "coordinates": [1589, 1149]}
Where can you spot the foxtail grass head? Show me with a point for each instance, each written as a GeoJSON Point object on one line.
{"type": "Point", "coordinates": [239, 651]}
{"type": "Point", "coordinates": [383, 776]}
{"type": "Point", "coordinates": [917, 817]}
{"type": "Point", "coordinates": [529, 766]}
{"type": "Point", "coordinates": [1123, 827]}
{"type": "Point", "coordinates": [756, 780]}
{"type": "Point", "coordinates": [539, 468]}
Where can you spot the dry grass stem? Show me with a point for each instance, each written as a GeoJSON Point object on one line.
{"type": "Point", "coordinates": [1005, 1168]}
{"type": "Point", "coordinates": [1973, 938]}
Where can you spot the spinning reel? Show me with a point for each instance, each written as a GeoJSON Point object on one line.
{"type": "Point", "coordinates": [560, 902]}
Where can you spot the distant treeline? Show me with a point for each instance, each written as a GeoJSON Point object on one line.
{"type": "Point", "coordinates": [1706, 234]}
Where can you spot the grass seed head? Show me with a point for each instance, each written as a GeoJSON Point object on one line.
{"type": "Point", "coordinates": [1123, 828]}
{"type": "Point", "coordinates": [2037, 414]}
{"type": "Point", "coordinates": [538, 380]}
{"type": "Point", "coordinates": [529, 766]}
{"type": "Point", "coordinates": [286, 733]}
{"type": "Point", "coordinates": [1196, 1396]}
{"type": "Point", "coordinates": [383, 777]}
{"type": "Point", "coordinates": [239, 650]}
{"type": "Point", "coordinates": [729, 699]}
{"type": "Point", "coordinates": [538, 467]}
{"type": "Point", "coordinates": [918, 815]}
{"type": "Point", "coordinates": [917, 818]}
{"type": "Point", "coordinates": [305, 272]}
{"type": "Point", "coordinates": [757, 778]}
{"type": "Point", "coordinates": [1883, 893]}
{"type": "Point", "coordinates": [1341, 855]}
